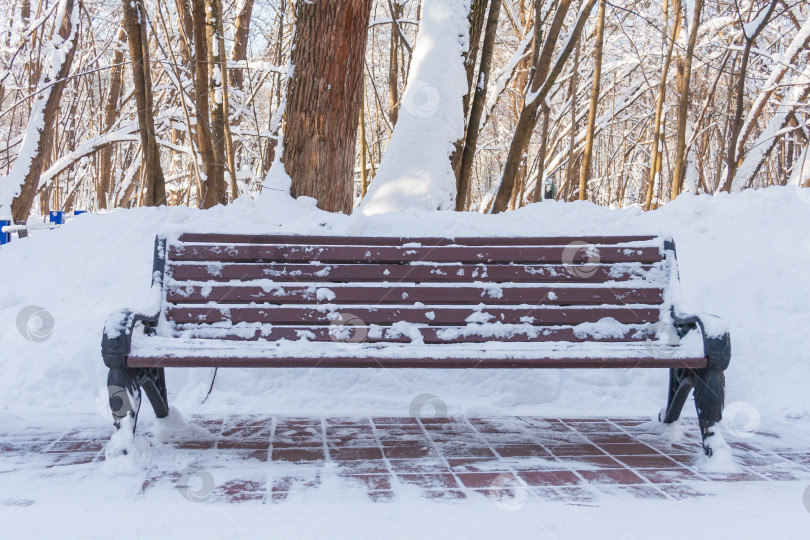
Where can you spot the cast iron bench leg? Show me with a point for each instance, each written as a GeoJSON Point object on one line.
{"type": "Point", "coordinates": [709, 384]}
{"type": "Point", "coordinates": [125, 394]}
{"type": "Point", "coordinates": [710, 387]}
{"type": "Point", "coordinates": [124, 384]}
{"type": "Point", "coordinates": [153, 381]}
{"type": "Point", "coordinates": [681, 382]}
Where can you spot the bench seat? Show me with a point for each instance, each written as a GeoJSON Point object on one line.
{"type": "Point", "coordinates": [243, 301]}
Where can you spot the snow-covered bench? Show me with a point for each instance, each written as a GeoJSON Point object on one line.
{"type": "Point", "coordinates": [227, 300]}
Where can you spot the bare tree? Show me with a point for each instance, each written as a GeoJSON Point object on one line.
{"type": "Point", "coordinates": [22, 181]}
{"type": "Point", "coordinates": [154, 185]}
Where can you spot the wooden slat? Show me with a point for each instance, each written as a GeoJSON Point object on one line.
{"type": "Point", "coordinates": [399, 254]}
{"type": "Point", "coordinates": [430, 335]}
{"type": "Point", "coordinates": [394, 273]}
{"type": "Point", "coordinates": [398, 241]}
{"type": "Point", "coordinates": [388, 315]}
{"type": "Point", "coordinates": [378, 295]}
{"type": "Point", "coordinates": [419, 362]}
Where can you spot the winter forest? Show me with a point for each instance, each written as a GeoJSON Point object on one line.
{"type": "Point", "coordinates": [108, 104]}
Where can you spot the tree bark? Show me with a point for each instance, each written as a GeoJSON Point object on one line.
{"type": "Point", "coordinates": [216, 191]}
{"type": "Point", "coordinates": [203, 126]}
{"type": "Point", "coordinates": [585, 169]}
{"type": "Point", "coordinates": [478, 10]}
{"type": "Point", "coordinates": [154, 185]}
{"type": "Point", "coordinates": [240, 43]}
{"type": "Point", "coordinates": [393, 65]}
{"type": "Point", "coordinates": [684, 85]}
{"type": "Point", "coordinates": [38, 143]}
{"type": "Point", "coordinates": [479, 99]}
{"type": "Point", "coordinates": [111, 112]}
{"type": "Point", "coordinates": [323, 100]}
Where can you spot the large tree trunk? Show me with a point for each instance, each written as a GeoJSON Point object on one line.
{"type": "Point", "coordinates": [203, 126]}
{"type": "Point", "coordinates": [585, 169]}
{"type": "Point", "coordinates": [20, 186]}
{"type": "Point", "coordinates": [154, 185]}
{"type": "Point", "coordinates": [684, 85]}
{"type": "Point", "coordinates": [111, 112]}
{"type": "Point", "coordinates": [542, 81]}
{"type": "Point", "coordinates": [479, 99]}
{"type": "Point", "coordinates": [323, 100]}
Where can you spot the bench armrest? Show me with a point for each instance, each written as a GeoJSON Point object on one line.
{"type": "Point", "coordinates": [716, 338]}
{"type": "Point", "coordinates": [117, 339]}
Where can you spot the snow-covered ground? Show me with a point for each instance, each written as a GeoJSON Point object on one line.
{"type": "Point", "coordinates": [744, 257]}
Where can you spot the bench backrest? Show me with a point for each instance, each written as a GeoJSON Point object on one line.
{"type": "Point", "coordinates": [438, 290]}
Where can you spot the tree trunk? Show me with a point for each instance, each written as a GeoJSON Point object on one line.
{"type": "Point", "coordinates": [684, 76]}
{"type": "Point", "coordinates": [154, 185]}
{"type": "Point", "coordinates": [585, 170]}
{"type": "Point", "coordinates": [111, 112]}
{"type": "Point", "coordinates": [393, 65]}
{"type": "Point", "coordinates": [479, 99]}
{"type": "Point", "coordinates": [203, 126]}
{"type": "Point", "coordinates": [22, 181]}
{"type": "Point", "coordinates": [216, 191]}
{"type": "Point", "coordinates": [541, 159]}
{"type": "Point", "coordinates": [544, 77]}
{"type": "Point", "coordinates": [658, 123]}
{"type": "Point", "coordinates": [240, 43]}
{"type": "Point", "coordinates": [478, 10]}
{"type": "Point", "coordinates": [323, 100]}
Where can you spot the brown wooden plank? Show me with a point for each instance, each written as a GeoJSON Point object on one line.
{"type": "Point", "coordinates": [397, 254]}
{"type": "Point", "coordinates": [417, 362]}
{"type": "Point", "coordinates": [380, 295]}
{"type": "Point", "coordinates": [430, 335]}
{"type": "Point", "coordinates": [387, 315]}
{"type": "Point", "coordinates": [394, 273]}
{"type": "Point", "coordinates": [220, 238]}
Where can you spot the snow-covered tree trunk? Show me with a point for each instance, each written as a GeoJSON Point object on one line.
{"type": "Point", "coordinates": [416, 170]}
{"type": "Point", "coordinates": [18, 188]}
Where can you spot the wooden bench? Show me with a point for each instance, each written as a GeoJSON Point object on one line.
{"type": "Point", "coordinates": [226, 300]}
